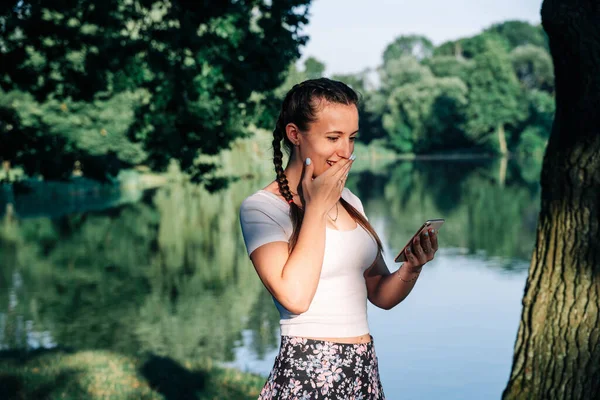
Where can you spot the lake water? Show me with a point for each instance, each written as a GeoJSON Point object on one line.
{"type": "Point", "coordinates": [166, 273]}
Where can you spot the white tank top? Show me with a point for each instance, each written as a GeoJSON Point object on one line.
{"type": "Point", "coordinates": [339, 307]}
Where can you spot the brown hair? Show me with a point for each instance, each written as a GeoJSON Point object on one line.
{"type": "Point", "coordinates": [300, 107]}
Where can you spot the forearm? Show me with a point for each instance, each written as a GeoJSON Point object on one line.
{"type": "Point", "coordinates": [395, 287]}
{"type": "Point", "coordinates": [300, 275]}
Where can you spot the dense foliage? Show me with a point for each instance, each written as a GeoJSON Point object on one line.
{"type": "Point", "coordinates": [98, 89]}
{"type": "Point", "coordinates": [136, 80]}
{"type": "Point", "coordinates": [492, 93]}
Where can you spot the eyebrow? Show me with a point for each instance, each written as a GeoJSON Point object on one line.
{"type": "Point", "coordinates": [341, 133]}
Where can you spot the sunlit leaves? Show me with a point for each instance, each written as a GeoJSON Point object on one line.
{"type": "Point", "coordinates": [494, 93]}
{"type": "Point", "coordinates": [533, 66]}
{"type": "Point", "coordinates": [197, 63]}
{"type": "Point", "coordinates": [415, 46]}
{"type": "Point", "coordinates": [425, 112]}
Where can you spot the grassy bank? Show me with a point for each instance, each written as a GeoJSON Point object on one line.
{"type": "Point", "coordinates": [106, 375]}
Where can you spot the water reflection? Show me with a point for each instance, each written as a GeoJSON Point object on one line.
{"type": "Point", "coordinates": [168, 273]}
{"type": "Point", "coordinates": [482, 213]}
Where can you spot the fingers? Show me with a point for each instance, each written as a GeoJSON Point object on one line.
{"type": "Point", "coordinates": [422, 249]}
{"type": "Point", "coordinates": [338, 169]}
{"type": "Point", "coordinates": [433, 238]}
{"type": "Point", "coordinates": [343, 172]}
{"type": "Point", "coordinates": [343, 176]}
{"type": "Point", "coordinates": [307, 171]}
{"type": "Point", "coordinates": [411, 257]}
{"type": "Point", "coordinates": [418, 251]}
{"type": "Point", "coordinates": [330, 183]}
{"type": "Point", "coordinates": [426, 245]}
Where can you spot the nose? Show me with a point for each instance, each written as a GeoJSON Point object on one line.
{"type": "Point", "coordinates": [346, 148]}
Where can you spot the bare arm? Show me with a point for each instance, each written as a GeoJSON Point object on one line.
{"type": "Point", "coordinates": [386, 290]}
{"type": "Point", "coordinates": [292, 278]}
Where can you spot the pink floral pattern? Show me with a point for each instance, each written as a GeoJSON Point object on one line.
{"type": "Point", "coordinates": [307, 369]}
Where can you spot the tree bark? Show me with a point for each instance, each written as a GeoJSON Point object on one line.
{"type": "Point", "coordinates": [502, 171]}
{"type": "Point", "coordinates": [557, 351]}
{"type": "Point", "coordinates": [502, 140]}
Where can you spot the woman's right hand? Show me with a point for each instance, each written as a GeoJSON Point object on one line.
{"type": "Point", "coordinates": [324, 191]}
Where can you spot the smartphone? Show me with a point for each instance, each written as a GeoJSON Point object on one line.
{"type": "Point", "coordinates": [429, 224]}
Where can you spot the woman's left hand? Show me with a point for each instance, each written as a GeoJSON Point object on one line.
{"type": "Point", "coordinates": [421, 251]}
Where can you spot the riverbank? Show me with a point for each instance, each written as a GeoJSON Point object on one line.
{"type": "Point", "coordinates": [252, 156]}
{"type": "Point", "coordinates": [97, 374]}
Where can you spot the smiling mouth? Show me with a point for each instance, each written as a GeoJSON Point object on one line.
{"type": "Point", "coordinates": [330, 162]}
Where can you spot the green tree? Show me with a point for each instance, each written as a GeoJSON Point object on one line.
{"type": "Point", "coordinates": [359, 81]}
{"type": "Point", "coordinates": [511, 34]}
{"type": "Point", "coordinates": [426, 115]}
{"type": "Point", "coordinates": [370, 107]}
{"type": "Point", "coordinates": [268, 104]}
{"type": "Point", "coordinates": [197, 65]}
{"type": "Point", "coordinates": [448, 66]}
{"type": "Point", "coordinates": [470, 47]}
{"type": "Point", "coordinates": [494, 97]}
{"type": "Point", "coordinates": [26, 145]}
{"type": "Point", "coordinates": [532, 141]}
{"type": "Point", "coordinates": [395, 74]}
{"type": "Point", "coordinates": [533, 66]}
{"type": "Point", "coordinates": [520, 33]}
{"type": "Point", "coordinates": [401, 71]}
{"type": "Point", "coordinates": [313, 68]}
{"type": "Point", "coordinates": [450, 48]}
{"type": "Point", "coordinates": [416, 46]}
{"type": "Point", "coordinates": [49, 137]}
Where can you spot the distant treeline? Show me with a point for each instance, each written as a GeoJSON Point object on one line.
{"type": "Point", "coordinates": [99, 89]}
{"type": "Point", "coordinates": [493, 93]}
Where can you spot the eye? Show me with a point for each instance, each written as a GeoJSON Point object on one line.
{"type": "Point", "coordinates": [333, 139]}
{"type": "Point", "coordinates": [353, 138]}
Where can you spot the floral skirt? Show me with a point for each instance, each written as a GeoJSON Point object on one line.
{"type": "Point", "coordinates": [316, 369]}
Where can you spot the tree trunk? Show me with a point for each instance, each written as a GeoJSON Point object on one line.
{"type": "Point", "coordinates": [557, 351]}
{"type": "Point", "coordinates": [458, 52]}
{"type": "Point", "coordinates": [502, 140]}
{"type": "Point", "coordinates": [502, 171]}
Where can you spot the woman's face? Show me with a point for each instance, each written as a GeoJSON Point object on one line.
{"type": "Point", "coordinates": [330, 138]}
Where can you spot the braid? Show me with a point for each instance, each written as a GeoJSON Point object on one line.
{"type": "Point", "coordinates": [282, 181]}
{"type": "Point", "coordinates": [300, 106]}
{"type": "Point", "coordinates": [296, 213]}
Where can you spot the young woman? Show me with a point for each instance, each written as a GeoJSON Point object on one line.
{"type": "Point", "coordinates": [315, 251]}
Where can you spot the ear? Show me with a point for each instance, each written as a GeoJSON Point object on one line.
{"type": "Point", "coordinates": [293, 133]}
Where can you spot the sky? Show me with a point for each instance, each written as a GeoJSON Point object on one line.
{"type": "Point", "coordinates": [351, 35]}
